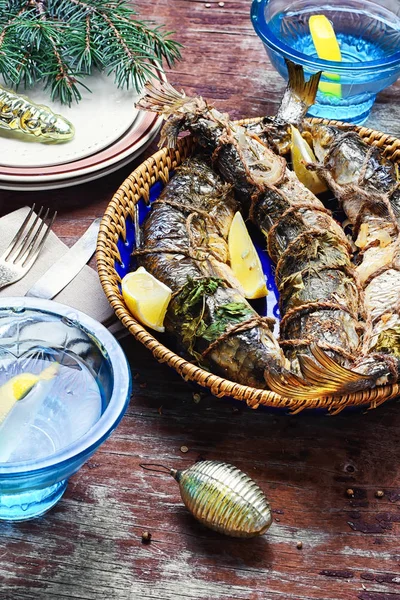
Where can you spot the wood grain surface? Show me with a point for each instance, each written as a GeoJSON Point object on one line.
{"type": "Point", "coordinates": [89, 547]}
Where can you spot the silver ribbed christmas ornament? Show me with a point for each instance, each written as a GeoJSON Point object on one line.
{"type": "Point", "coordinates": [223, 498]}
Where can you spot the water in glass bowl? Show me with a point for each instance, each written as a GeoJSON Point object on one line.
{"type": "Point", "coordinates": [363, 35]}
{"type": "Point", "coordinates": [48, 400]}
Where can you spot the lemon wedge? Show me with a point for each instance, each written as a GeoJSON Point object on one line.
{"type": "Point", "coordinates": [245, 262]}
{"type": "Point", "coordinates": [327, 47]}
{"type": "Point", "coordinates": [146, 297]}
{"type": "Point", "coordinates": [301, 156]}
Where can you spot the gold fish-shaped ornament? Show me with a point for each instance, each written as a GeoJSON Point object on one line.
{"type": "Point", "coordinates": [19, 114]}
{"type": "Point", "coordinates": [223, 498]}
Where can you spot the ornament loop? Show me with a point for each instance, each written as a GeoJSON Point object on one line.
{"type": "Point", "coordinates": [161, 469]}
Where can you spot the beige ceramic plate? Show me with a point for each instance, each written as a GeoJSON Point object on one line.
{"type": "Point", "coordinates": [128, 150]}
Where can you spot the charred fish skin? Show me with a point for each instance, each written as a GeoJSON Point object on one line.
{"type": "Point", "coordinates": [314, 246]}
{"type": "Point", "coordinates": [351, 161]}
{"type": "Point", "coordinates": [275, 193]}
{"type": "Point", "coordinates": [360, 174]}
{"type": "Point", "coordinates": [19, 114]}
{"type": "Point", "coordinates": [241, 158]}
{"type": "Point", "coordinates": [184, 246]}
{"type": "Point", "coordinates": [367, 187]}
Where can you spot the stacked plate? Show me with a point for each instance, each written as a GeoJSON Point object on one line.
{"type": "Point", "coordinates": [109, 133]}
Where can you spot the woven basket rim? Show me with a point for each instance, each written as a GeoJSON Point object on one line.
{"type": "Point", "coordinates": [137, 186]}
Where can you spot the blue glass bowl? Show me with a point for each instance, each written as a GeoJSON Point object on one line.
{"type": "Point", "coordinates": [30, 488]}
{"type": "Point", "coordinates": [368, 32]}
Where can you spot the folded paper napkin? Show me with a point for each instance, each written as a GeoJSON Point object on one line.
{"type": "Point", "coordinates": [83, 293]}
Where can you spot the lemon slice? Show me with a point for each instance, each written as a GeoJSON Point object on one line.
{"type": "Point", "coordinates": [13, 390]}
{"type": "Point", "coordinates": [324, 38]}
{"type": "Point", "coordinates": [327, 47]}
{"type": "Point", "coordinates": [146, 297]}
{"type": "Point", "coordinates": [19, 386]}
{"type": "Point", "coordinates": [22, 384]}
{"type": "Point", "coordinates": [301, 156]}
{"type": "Point", "coordinates": [245, 262]}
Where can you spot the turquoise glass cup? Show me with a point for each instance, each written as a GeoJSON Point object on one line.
{"type": "Point", "coordinates": [368, 33]}
{"type": "Point", "coordinates": [30, 326]}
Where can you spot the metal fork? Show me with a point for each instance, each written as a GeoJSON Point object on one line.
{"type": "Point", "coordinates": [25, 247]}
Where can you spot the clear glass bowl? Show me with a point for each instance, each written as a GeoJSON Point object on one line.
{"type": "Point", "coordinates": [368, 32]}
{"type": "Point", "coordinates": [30, 487]}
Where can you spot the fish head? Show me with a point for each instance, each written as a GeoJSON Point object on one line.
{"type": "Point", "coordinates": [52, 128]}
{"type": "Point", "coordinates": [59, 129]}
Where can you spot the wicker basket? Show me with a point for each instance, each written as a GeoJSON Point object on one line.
{"type": "Point", "coordinates": [112, 228]}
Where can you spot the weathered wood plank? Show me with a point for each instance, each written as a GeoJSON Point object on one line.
{"type": "Point", "coordinates": [90, 546]}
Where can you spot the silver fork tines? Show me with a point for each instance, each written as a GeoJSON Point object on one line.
{"type": "Point", "coordinates": [25, 247]}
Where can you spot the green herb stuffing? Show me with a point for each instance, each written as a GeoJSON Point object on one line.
{"type": "Point", "coordinates": [234, 312]}
{"type": "Point", "coordinates": [190, 304]}
{"type": "Point", "coordinates": [193, 293]}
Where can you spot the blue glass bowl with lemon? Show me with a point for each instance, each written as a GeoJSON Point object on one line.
{"type": "Point", "coordinates": [355, 43]}
{"type": "Point", "coordinates": [64, 386]}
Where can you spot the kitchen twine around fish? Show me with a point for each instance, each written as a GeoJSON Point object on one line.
{"type": "Point", "coordinates": [136, 186]}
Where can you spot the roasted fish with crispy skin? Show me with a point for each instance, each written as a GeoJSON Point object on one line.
{"type": "Point", "coordinates": [184, 245]}
{"type": "Point", "coordinates": [368, 190]}
{"type": "Point", "coordinates": [303, 239]}
{"type": "Point", "coordinates": [367, 187]}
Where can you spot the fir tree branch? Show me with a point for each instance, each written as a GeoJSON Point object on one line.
{"type": "Point", "coordinates": [7, 64]}
{"type": "Point", "coordinates": [156, 40]}
{"type": "Point", "coordinates": [59, 41]}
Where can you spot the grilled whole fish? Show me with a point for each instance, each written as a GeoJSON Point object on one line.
{"type": "Point", "coordinates": [303, 239]}
{"type": "Point", "coordinates": [184, 245]}
{"type": "Point", "coordinates": [367, 186]}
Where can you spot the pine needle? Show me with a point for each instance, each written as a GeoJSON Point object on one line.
{"type": "Point", "coordinates": [59, 42]}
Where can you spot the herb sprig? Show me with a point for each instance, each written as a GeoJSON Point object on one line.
{"type": "Point", "coordinates": [190, 306]}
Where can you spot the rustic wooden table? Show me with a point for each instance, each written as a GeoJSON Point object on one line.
{"type": "Point", "coordinates": [89, 546]}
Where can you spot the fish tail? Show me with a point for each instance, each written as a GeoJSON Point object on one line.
{"type": "Point", "coordinates": [299, 94]}
{"type": "Point", "coordinates": [165, 100]}
{"type": "Point", "coordinates": [305, 90]}
{"type": "Point", "coordinates": [323, 376]}
{"type": "Point", "coordinates": [161, 97]}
